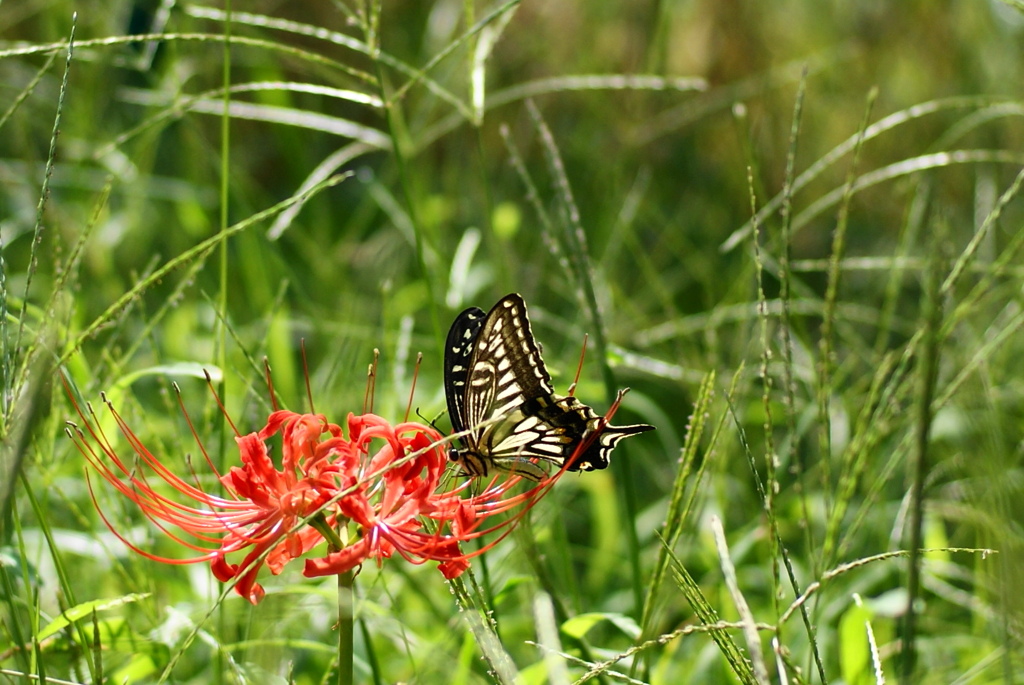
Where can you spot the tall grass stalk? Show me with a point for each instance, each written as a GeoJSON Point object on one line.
{"type": "Point", "coordinates": [926, 373]}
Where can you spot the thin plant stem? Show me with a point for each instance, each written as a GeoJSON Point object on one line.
{"type": "Point", "coordinates": [346, 615]}
{"type": "Point", "coordinates": [392, 118]}
{"type": "Point", "coordinates": [919, 466]}
{"type": "Point", "coordinates": [578, 256]}
{"type": "Point", "coordinates": [826, 345]}
{"type": "Point", "coordinates": [220, 339]}
{"type": "Point", "coordinates": [794, 457]}
{"type": "Point", "coordinates": [767, 492]}
{"type": "Point", "coordinates": [346, 627]}
{"type": "Point", "coordinates": [11, 381]}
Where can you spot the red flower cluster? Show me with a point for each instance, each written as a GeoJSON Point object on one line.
{"type": "Point", "coordinates": [368, 495]}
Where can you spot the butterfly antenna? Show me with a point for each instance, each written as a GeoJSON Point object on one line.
{"type": "Point", "coordinates": [305, 375]}
{"type": "Point", "coordinates": [412, 390]}
{"type": "Point", "coordinates": [371, 382]}
{"type": "Point", "coordinates": [579, 367]}
{"type": "Point", "coordinates": [425, 419]}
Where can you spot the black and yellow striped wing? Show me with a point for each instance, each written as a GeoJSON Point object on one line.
{"type": "Point", "coordinates": [500, 397]}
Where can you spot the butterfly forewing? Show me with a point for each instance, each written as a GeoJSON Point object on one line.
{"type": "Point", "coordinates": [506, 368]}
{"type": "Point", "coordinates": [457, 353]}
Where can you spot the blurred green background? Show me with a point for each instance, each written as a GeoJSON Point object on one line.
{"type": "Point", "coordinates": [671, 124]}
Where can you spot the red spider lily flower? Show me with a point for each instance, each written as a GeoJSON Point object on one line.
{"type": "Point", "coordinates": [397, 493]}
{"type": "Point", "coordinates": [393, 497]}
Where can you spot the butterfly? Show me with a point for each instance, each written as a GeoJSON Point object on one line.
{"type": "Point", "coordinates": [499, 395]}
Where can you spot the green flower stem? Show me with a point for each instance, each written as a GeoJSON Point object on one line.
{"type": "Point", "coordinates": [346, 615]}
{"type": "Point", "coordinates": [334, 541]}
{"type": "Point", "coordinates": [346, 627]}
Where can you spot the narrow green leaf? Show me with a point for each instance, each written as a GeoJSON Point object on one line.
{"type": "Point", "coordinates": [83, 610]}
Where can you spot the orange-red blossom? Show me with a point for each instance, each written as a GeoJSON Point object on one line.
{"type": "Point", "coordinates": [368, 495]}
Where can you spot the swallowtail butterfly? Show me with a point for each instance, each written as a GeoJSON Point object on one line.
{"type": "Point", "coordinates": [500, 395]}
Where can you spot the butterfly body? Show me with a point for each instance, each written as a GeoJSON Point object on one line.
{"type": "Point", "coordinates": [500, 398]}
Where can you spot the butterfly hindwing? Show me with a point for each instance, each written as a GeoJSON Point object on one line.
{"type": "Point", "coordinates": [499, 392]}
{"type": "Point", "coordinates": [585, 422]}
{"type": "Point", "coordinates": [566, 416]}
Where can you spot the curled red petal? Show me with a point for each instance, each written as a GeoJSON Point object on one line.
{"type": "Point", "coordinates": [222, 570]}
{"type": "Point", "coordinates": [338, 562]}
{"type": "Point", "coordinates": [454, 568]}
{"type": "Point", "coordinates": [274, 423]}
